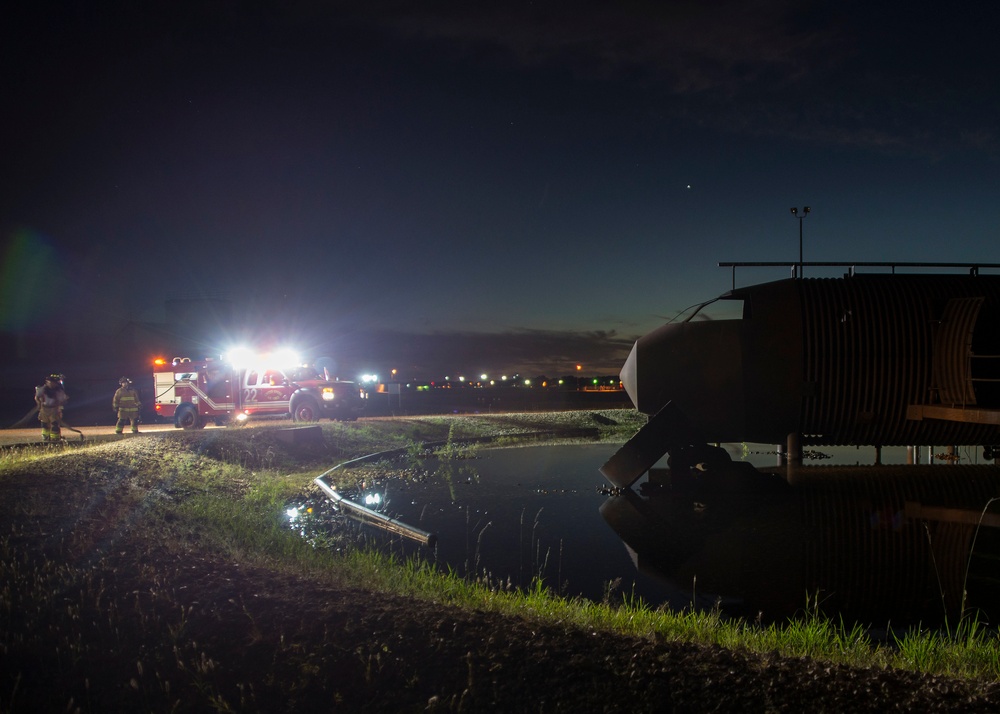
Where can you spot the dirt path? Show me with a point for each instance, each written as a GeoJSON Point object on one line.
{"type": "Point", "coordinates": [33, 435]}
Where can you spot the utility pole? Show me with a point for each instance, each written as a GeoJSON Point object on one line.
{"type": "Point", "coordinates": [795, 212]}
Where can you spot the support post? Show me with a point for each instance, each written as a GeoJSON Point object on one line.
{"type": "Point", "coordinates": [794, 448]}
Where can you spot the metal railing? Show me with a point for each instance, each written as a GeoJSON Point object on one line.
{"type": "Point", "coordinates": [796, 267]}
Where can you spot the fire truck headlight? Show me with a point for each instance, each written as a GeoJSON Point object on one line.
{"type": "Point", "coordinates": [327, 394]}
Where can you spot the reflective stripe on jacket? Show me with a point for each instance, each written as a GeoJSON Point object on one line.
{"type": "Point", "coordinates": [126, 400]}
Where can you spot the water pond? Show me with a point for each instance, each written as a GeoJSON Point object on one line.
{"type": "Point", "coordinates": [512, 515]}
{"type": "Point", "coordinates": [867, 542]}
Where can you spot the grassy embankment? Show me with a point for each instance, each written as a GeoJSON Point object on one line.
{"type": "Point", "coordinates": [74, 518]}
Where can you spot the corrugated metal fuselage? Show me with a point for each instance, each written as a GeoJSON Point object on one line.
{"type": "Point", "coordinates": [865, 359]}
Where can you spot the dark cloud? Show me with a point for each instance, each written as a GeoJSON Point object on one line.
{"type": "Point", "coordinates": [827, 73]}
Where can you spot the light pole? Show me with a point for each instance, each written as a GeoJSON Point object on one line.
{"type": "Point", "coordinates": [795, 212]}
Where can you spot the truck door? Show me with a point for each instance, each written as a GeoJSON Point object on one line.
{"type": "Point", "coordinates": [249, 391]}
{"type": "Point", "coordinates": [273, 387]}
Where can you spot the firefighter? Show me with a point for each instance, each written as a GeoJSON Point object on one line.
{"type": "Point", "coordinates": [51, 398]}
{"type": "Point", "coordinates": [126, 404]}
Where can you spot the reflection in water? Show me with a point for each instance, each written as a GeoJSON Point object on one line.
{"type": "Point", "coordinates": [881, 544]}
{"type": "Point", "coordinates": [876, 544]}
{"type": "Point", "coordinates": [511, 516]}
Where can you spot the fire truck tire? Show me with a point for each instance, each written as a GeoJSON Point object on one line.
{"type": "Point", "coordinates": [305, 409]}
{"type": "Point", "coordinates": [187, 418]}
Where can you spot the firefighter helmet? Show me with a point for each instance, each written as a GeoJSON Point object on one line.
{"type": "Point", "coordinates": [125, 380]}
{"type": "Point", "coordinates": [54, 378]}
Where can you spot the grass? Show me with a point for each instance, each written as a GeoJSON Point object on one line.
{"type": "Point", "coordinates": [225, 492]}
{"type": "Point", "coordinates": [974, 654]}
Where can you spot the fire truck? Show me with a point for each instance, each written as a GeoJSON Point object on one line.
{"type": "Point", "coordinates": [195, 392]}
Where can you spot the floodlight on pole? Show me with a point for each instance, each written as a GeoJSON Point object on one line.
{"type": "Point", "coordinates": [795, 212]}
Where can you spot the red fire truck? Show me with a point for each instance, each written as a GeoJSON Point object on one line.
{"type": "Point", "coordinates": [196, 392]}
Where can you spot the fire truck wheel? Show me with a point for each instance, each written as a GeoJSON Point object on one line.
{"type": "Point", "coordinates": [305, 409]}
{"type": "Point", "coordinates": [187, 418]}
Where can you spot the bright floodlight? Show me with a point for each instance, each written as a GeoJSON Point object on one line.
{"type": "Point", "coordinates": [238, 356]}
{"type": "Point", "coordinates": [286, 357]}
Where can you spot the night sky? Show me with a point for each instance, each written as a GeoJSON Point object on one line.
{"type": "Point", "coordinates": [478, 186]}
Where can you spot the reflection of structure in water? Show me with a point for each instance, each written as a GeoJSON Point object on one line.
{"type": "Point", "coordinates": [876, 544]}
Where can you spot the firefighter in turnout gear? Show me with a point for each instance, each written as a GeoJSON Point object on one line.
{"type": "Point", "coordinates": [126, 404]}
{"type": "Point", "coordinates": [51, 398]}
